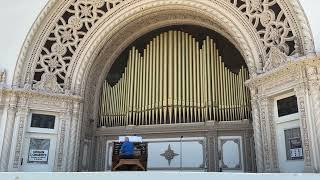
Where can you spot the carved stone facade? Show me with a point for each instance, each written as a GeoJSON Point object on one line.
{"type": "Point", "coordinates": [73, 44]}
{"type": "Point", "coordinates": [298, 76]}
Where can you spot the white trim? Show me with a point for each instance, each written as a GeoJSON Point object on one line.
{"type": "Point", "coordinates": [287, 118]}
{"type": "Point", "coordinates": [43, 130]}
{"type": "Point", "coordinates": [240, 150]}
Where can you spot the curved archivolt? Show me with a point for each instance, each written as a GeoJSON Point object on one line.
{"type": "Point", "coordinates": [275, 23]}
{"type": "Point", "coordinates": [175, 80]}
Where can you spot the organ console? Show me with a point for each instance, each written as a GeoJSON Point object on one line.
{"type": "Point", "coordinates": [139, 161]}
{"type": "Point", "coordinates": [175, 79]}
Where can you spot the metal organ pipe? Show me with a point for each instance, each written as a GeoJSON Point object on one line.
{"type": "Point", "coordinates": [175, 80]}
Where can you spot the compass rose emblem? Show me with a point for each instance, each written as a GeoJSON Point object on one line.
{"type": "Point", "coordinates": [169, 154]}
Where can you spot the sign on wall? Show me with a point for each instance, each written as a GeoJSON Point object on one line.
{"type": "Point", "coordinates": [296, 148]}
{"type": "Point", "coordinates": [293, 144]}
{"type": "Point", "coordinates": [38, 151]}
{"type": "Point", "coordinates": [38, 155]}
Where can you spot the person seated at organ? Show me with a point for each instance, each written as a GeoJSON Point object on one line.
{"type": "Point", "coordinates": [127, 149]}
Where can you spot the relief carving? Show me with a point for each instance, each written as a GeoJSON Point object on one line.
{"type": "Point", "coordinates": [275, 60]}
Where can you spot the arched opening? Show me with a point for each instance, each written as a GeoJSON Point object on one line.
{"type": "Point", "coordinates": [197, 128]}
{"type": "Point", "coordinates": [175, 77]}
{"type": "Point", "coordinates": [114, 25]}
{"type": "Point", "coordinates": [176, 74]}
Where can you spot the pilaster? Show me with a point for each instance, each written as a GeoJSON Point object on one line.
{"type": "Point", "coordinates": [78, 111]}
{"type": "Point", "coordinates": [8, 134]}
{"type": "Point", "coordinates": [256, 122]}
{"type": "Point", "coordinates": [72, 136]}
{"type": "Point", "coordinates": [19, 134]}
{"type": "Point", "coordinates": [272, 136]}
{"type": "Point", "coordinates": [263, 103]}
{"type": "Point", "coordinates": [308, 110]}
{"type": "Point", "coordinates": [63, 141]}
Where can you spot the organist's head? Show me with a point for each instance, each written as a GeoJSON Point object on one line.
{"type": "Point", "coordinates": [126, 138]}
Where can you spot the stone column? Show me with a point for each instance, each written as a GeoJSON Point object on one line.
{"type": "Point", "coordinates": [73, 138]}
{"type": "Point", "coordinates": [268, 137]}
{"type": "Point", "coordinates": [78, 111]}
{"type": "Point", "coordinates": [6, 147]}
{"type": "Point", "coordinates": [266, 153]}
{"type": "Point", "coordinates": [256, 122]}
{"type": "Point", "coordinates": [271, 130]}
{"type": "Point", "coordinates": [18, 136]}
{"type": "Point", "coordinates": [62, 141]}
{"type": "Point", "coordinates": [307, 122]}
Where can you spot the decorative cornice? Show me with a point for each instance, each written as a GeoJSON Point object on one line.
{"type": "Point", "coordinates": [288, 69]}
{"type": "Point", "coordinates": [177, 128]}
{"type": "Point", "coordinates": [21, 92]}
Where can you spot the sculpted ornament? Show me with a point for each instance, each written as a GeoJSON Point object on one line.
{"type": "Point", "coordinates": [3, 76]}
{"type": "Point", "coordinates": [276, 59]}
{"type": "Point", "coordinates": [63, 41]}
{"type": "Point", "coordinates": [270, 19]}
{"type": "Point", "coordinates": [48, 83]}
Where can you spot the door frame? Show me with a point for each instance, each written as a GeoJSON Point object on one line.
{"type": "Point", "coordinates": [40, 133]}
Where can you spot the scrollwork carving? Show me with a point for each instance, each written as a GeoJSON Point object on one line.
{"type": "Point", "coordinates": [269, 18]}
{"type": "Point", "coordinates": [271, 23]}
{"type": "Point", "coordinates": [55, 58]}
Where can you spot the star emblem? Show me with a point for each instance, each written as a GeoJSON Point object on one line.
{"type": "Point", "coordinates": [169, 154]}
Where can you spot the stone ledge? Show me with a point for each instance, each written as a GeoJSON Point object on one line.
{"type": "Point", "coordinates": [156, 176]}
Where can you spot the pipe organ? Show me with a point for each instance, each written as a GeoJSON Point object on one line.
{"type": "Point", "coordinates": [176, 79]}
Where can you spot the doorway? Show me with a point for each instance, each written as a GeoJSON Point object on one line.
{"type": "Point", "coordinates": [38, 153]}
{"type": "Point", "coordinates": [39, 143]}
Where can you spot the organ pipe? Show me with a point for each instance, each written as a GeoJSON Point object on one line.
{"type": "Point", "coordinates": [175, 80]}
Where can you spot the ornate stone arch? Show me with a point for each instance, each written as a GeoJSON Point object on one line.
{"type": "Point", "coordinates": [73, 43]}
{"type": "Point", "coordinates": [58, 18]}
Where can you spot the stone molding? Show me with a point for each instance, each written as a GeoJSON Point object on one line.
{"type": "Point", "coordinates": [293, 70]}
{"type": "Point", "coordinates": [179, 128]}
